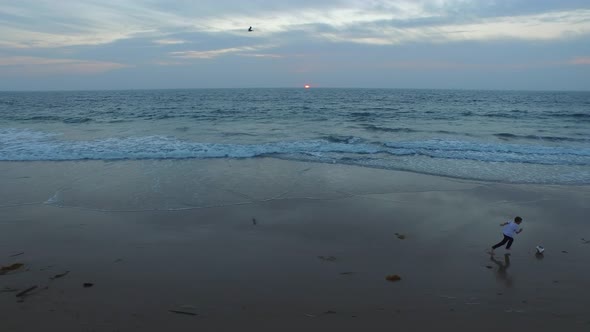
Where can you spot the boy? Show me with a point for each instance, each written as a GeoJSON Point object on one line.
{"type": "Point", "coordinates": [510, 229]}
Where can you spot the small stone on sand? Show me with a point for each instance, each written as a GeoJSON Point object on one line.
{"type": "Point", "coordinates": [393, 278]}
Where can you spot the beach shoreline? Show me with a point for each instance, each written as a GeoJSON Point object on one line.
{"type": "Point", "coordinates": [267, 244]}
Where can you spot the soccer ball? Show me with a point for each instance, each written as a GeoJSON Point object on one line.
{"type": "Point", "coordinates": [540, 249]}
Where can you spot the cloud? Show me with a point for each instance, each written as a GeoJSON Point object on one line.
{"type": "Point", "coordinates": [51, 24]}
{"type": "Point", "coordinates": [169, 41]}
{"type": "Point", "coordinates": [430, 64]}
{"type": "Point", "coordinates": [169, 63]}
{"type": "Point", "coordinates": [209, 54]}
{"type": "Point", "coordinates": [549, 26]}
{"type": "Point", "coordinates": [456, 65]}
{"type": "Point", "coordinates": [39, 65]}
{"type": "Point", "coordinates": [580, 61]}
{"type": "Point", "coordinates": [273, 22]}
{"type": "Point", "coordinates": [261, 55]}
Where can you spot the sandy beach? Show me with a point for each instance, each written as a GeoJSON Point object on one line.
{"type": "Point", "coordinates": [274, 245]}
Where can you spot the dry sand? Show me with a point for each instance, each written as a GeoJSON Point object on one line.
{"type": "Point", "coordinates": [271, 245]}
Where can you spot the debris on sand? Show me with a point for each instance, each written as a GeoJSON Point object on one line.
{"type": "Point", "coordinates": [346, 273]}
{"type": "Point", "coordinates": [564, 251]}
{"type": "Point", "coordinates": [327, 258]}
{"type": "Point", "coordinates": [329, 312]}
{"type": "Point", "coordinates": [393, 278]}
{"type": "Point", "coordinates": [489, 267]}
{"type": "Point", "coordinates": [183, 312]}
{"type": "Point", "coordinates": [20, 253]}
{"type": "Point", "coordinates": [6, 269]}
{"type": "Point", "coordinates": [23, 293]}
{"type": "Point", "coordinates": [400, 236]}
{"type": "Point", "coordinates": [88, 284]}
{"type": "Point", "coordinates": [59, 275]}
{"type": "Point", "coordinates": [254, 221]}
{"type": "Point", "coordinates": [585, 241]}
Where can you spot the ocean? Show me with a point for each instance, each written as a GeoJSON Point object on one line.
{"type": "Point", "coordinates": [503, 136]}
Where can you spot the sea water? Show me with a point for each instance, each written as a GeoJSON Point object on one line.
{"type": "Point", "coordinates": [505, 136]}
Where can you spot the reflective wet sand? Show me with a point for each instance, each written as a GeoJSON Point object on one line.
{"type": "Point", "coordinates": [267, 245]}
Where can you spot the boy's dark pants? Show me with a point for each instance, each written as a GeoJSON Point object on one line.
{"type": "Point", "coordinates": [501, 243]}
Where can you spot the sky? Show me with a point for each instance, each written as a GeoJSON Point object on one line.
{"type": "Point", "coordinates": [161, 44]}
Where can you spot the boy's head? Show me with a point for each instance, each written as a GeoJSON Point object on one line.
{"type": "Point", "coordinates": [518, 220]}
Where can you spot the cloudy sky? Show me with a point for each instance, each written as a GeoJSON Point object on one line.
{"type": "Point", "coordinates": [133, 44]}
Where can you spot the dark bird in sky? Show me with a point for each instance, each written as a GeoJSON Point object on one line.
{"type": "Point", "coordinates": [250, 29]}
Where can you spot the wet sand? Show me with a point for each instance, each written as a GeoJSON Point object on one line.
{"type": "Point", "coordinates": [271, 245]}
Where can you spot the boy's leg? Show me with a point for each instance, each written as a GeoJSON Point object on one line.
{"type": "Point", "coordinates": [509, 242]}
{"type": "Point", "coordinates": [501, 243]}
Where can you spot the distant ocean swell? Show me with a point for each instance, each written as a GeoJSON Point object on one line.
{"type": "Point", "coordinates": [28, 145]}
{"type": "Point", "coordinates": [190, 113]}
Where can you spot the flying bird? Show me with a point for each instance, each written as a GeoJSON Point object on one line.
{"type": "Point", "coordinates": [250, 29]}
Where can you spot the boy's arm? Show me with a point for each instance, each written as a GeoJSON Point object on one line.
{"type": "Point", "coordinates": [504, 223]}
{"type": "Point", "coordinates": [518, 231]}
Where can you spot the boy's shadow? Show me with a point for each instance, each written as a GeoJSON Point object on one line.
{"type": "Point", "coordinates": [502, 274]}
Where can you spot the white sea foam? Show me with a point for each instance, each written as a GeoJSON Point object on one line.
{"type": "Point", "coordinates": [446, 157]}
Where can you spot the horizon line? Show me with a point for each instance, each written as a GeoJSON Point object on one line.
{"type": "Point", "coordinates": [293, 87]}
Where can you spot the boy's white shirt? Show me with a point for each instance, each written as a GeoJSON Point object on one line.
{"type": "Point", "coordinates": [510, 229]}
